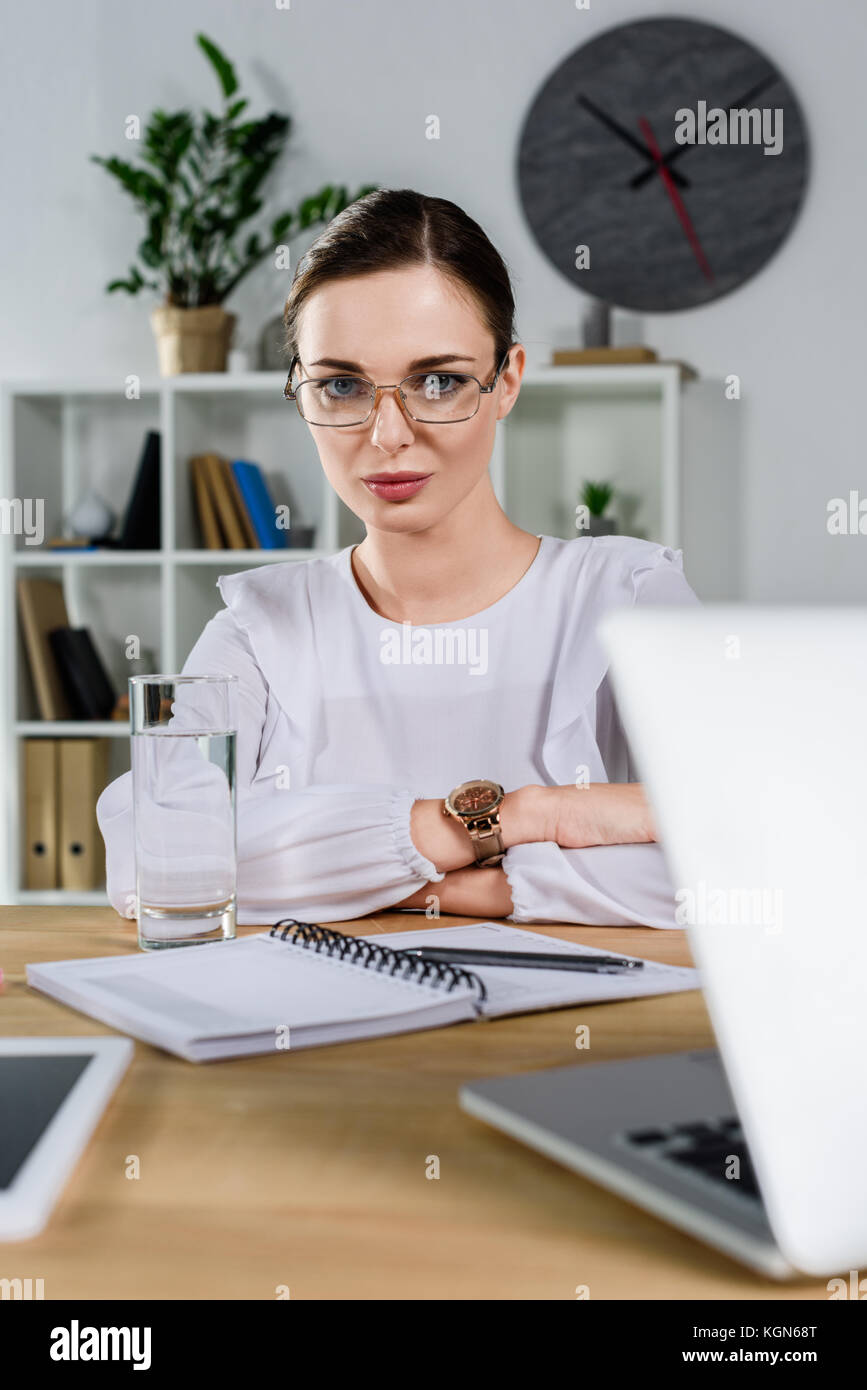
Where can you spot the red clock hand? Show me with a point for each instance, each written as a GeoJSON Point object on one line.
{"type": "Point", "coordinates": [647, 132]}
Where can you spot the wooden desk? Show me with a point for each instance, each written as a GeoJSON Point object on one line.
{"type": "Point", "coordinates": [308, 1170]}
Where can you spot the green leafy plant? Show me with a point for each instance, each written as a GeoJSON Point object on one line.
{"type": "Point", "coordinates": [198, 185]}
{"type": "Point", "coordinates": [596, 497]}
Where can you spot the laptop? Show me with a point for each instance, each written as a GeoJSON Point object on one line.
{"type": "Point", "coordinates": [747, 725]}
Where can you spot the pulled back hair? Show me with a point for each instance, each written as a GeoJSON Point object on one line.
{"type": "Point", "coordinates": [395, 227]}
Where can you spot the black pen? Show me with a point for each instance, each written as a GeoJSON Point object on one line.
{"type": "Point", "coordinates": [540, 960]}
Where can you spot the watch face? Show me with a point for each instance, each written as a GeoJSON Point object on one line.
{"type": "Point", "coordinates": [475, 799]}
{"type": "Point", "coordinates": [662, 164]}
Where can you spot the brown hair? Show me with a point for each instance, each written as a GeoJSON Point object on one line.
{"type": "Point", "coordinates": [394, 227]}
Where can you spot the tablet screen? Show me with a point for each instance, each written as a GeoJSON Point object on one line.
{"type": "Point", "coordinates": [32, 1089]}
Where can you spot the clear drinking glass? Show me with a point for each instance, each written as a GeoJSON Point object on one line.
{"type": "Point", "coordinates": [183, 731]}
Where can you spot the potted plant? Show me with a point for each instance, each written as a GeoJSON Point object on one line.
{"type": "Point", "coordinates": [198, 185]}
{"type": "Point", "coordinates": [596, 497]}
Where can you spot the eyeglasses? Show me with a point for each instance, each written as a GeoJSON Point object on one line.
{"type": "Point", "coordinates": [429, 398]}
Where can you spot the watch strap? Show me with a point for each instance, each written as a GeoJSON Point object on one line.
{"type": "Point", "coordinates": [488, 847]}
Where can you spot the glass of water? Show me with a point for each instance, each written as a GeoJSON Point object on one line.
{"type": "Point", "coordinates": [183, 731]}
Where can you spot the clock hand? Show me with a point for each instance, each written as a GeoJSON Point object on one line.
{"type": "Point", "coordinates": [675, 197]}
{"type": "Point", "coordinates": [677, 150]}
{"type": "Point", "coordinates": [627, 135]}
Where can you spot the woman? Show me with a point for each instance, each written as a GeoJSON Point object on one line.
{"type": "Point", "coordinates": [450, 645]}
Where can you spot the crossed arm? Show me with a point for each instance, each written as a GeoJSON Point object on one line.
{"type": "Point", "coordinates": [574, 817]}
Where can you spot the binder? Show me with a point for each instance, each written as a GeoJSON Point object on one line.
{"type": "Point", "coordinates": [91, 692]}
{"type": "Point", "coordinates": [82, 774]}
{"type": "Point", "coordinates": [251, 540]}
{"type": "Point", "coordinates": [257, 499]}
{"type": "Point", "coordinates": [141, 524]}
{"type": "Point", "coordinates": [224, 502]}
{"type": "Point", "coordinates": [42, 608]}
{"type": "Point", "coordinates": [205, 508]}
{"type": "Point", "coordinates": [40, 813]}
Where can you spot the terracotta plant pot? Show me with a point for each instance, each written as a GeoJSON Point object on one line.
{"type": "Point", "coordinates": [192, 340]}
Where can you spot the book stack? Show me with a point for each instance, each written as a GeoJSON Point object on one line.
{"type": "Point", "coordinates": [235, 509]}
{"type": "Point", "coordinates": [69, 678]}
{"type": "Point", "coordinates": [63, 778]}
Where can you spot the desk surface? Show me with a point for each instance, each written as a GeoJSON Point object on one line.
{"type": "Point", "coordinates": [308, 1171]}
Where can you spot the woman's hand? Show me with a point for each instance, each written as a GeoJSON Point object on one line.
{"type": "Point", "coordinates": [466, 893]}
{"type": "Point", "coordinates": [446, 842]}
{"type": "Point", "coordinates": [600, 813]}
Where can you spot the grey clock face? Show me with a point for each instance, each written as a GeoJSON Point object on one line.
{"type": "Point", "coordinates": [667, 225]}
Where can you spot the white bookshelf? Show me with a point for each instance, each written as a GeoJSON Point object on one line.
{"type": "Point", "coordinates": [620, 423]}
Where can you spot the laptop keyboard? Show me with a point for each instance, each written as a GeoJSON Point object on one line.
{"type": "Point", "coordinates": [705, 1148]}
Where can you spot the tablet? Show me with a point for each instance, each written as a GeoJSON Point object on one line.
{"type": "Point", "coordinates": [52, 1094]}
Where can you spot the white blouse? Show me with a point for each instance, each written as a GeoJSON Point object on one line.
{"type": "Point", "coordinates": [346, 718]}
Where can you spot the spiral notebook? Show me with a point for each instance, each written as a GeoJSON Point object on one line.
{"type": "Point", "coordinates": [303, 985]}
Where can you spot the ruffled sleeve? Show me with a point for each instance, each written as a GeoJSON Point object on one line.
{"type": "Point", "coordinates": [604, 885]}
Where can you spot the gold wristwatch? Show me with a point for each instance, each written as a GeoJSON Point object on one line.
{"type": "Point", "coordinates": [476, 805]}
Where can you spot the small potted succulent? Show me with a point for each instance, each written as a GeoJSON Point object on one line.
{"type": "Point", "coordinates": [198, 184]}
{"type": "Point", "coordinates": [596, 497]}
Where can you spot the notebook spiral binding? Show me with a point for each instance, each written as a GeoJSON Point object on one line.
{"type": "Point", "coordinates": [369, 954]}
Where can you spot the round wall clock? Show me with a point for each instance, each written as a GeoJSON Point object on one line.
{"type": "Point", "coordinates": [674, 152]}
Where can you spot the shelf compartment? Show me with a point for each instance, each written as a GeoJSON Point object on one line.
{"type": "Point", "coordinates": [259, 428]}
{"type": "Point", "coordinates": [66, 444]}
{"type": "Point", "coordinates": [128, 605]}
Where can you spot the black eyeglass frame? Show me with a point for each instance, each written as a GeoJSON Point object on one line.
{"type": "Point", "coordinates": [289, 393]}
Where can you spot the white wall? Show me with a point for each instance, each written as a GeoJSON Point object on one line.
{"type": "Point", "coordinates": [359, 80]}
